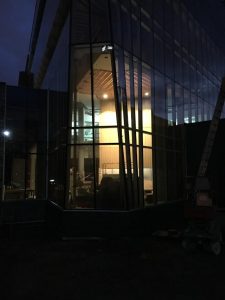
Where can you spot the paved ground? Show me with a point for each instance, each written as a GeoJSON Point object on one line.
{"type": "Point", "coordinates": [144, 268]}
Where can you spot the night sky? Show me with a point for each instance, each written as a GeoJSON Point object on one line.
{"type": "Point", "coordinates": [16, 17]}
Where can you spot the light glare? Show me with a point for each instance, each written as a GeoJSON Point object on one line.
{"type": "Point", "coordinates": [6, 133]}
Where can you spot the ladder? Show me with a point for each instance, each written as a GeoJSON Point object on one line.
{"type": "Point", "coordinates": [212, 132]}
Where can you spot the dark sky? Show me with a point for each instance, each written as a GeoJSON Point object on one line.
{"type": "Point", "coordinates": [16, 17]}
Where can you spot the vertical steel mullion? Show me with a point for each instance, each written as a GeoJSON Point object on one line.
{"type": "Point", "coordinates": [92, 99]}
{"type": "Point", "coordinates": [126, 125]}
{"type": "Point", "coordinates": [120, 137]}
{"type": "Point", "coordinates": [165, 150]}
{"type": "Point", "coordinates": [68, 113]}
{"type": "Point", "coordinates": [173, 105]}
{"type": "Point", "coordinates": [118, 112]}
{"type": "Point", "coordinates": [133, 121]}
{"type": "Point", "coordinates": [127, 143]}
{"type": "Point", "coordinates": [134, 140]}
{"type": "Point", "coordinates": [154, 148]}
{"type": "Point", "coordinates": [47, 146]}
{"type": "Point", "coordinates": [26, 150]}
{"type": "Point", "coordinates": [140, 120]}
{"type": "Point", "coordinates": [154, 165]}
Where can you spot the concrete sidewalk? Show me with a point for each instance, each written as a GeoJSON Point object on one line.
{"type": "Point", "coordinates": [134, 268]}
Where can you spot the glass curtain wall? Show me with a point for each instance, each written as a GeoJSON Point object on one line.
{"type": "Point", "coordinates": [95, 168]}
{"type": "Point", "coordinates": [25, 146]}
{"type": "Point", "coordinates": [56, 81]}
{"type": "Point", "coordinates": [95, 160]}
{"type": "Point", "coordinates": [138, 73]}
{"type": "Point", "coordinates": [110, 164]}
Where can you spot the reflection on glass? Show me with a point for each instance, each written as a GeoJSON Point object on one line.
{"type": "Point", "coordinates": [20, 175]}
{"type": "Point", "coordinates": [179, 104]}
{"type": "Point", "coordinates": [31, 175]}
{"type": "Point", "coordinates": [81, 135]}
{"type": "Point", "coordinates": [170, 108]}
{"type": "Point", "coordinates": [14, 176]}
{"type": "Point", "coordinates": [186, 106]}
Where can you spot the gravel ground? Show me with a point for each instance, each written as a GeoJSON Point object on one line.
{"type": "Point", "coordinates": [135, 268]}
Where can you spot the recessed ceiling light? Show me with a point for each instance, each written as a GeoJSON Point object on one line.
{"type": "Point", "coordinates": [147, 94]}
{"type": "Point", "coordinates": [105, 96]}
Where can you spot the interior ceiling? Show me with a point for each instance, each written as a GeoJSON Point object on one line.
{"type": "Point", "coordinates": [103, 81]}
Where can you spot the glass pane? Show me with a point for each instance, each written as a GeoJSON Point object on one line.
{"type": "Point", "coordinates": [126, 28]}
{"type": "Point", "coordinates": [148, 177]}
{"type": "Point", "coordinates": [81, 80]}
{"type": "Point", "coordinates": [109, 190]}
{"type": "Point", "coordinates": [106, 135]}
{"type": "Point", "coordinates": [128, 89]}
{"type": "Point", "coordinates": [14, 176]}
{"type": "Point", "coordinates": [170, 104]}
{"type": "Point", "coordinates": [179, 104]}
{"type": "Point", "coordinates": [81, 191]}
{"type": "Point", "coordinates": [146, 99]}
{"type": "Point", "coordinates": [104, 100]}
{"type": "Point", "coordinates": [200, 110]}
{"type": "Point", "coordinates": [147, 140]}
{"type": "Point", "coordinates": [194, 111]}
{"type": "Point", "coordinates": [80, 22]}
{"type": "Point", "coordinates": [160, 104]}
{"type": "Point", "coordinates": [115, 16]}
{"type": "Point", "coordinates": [57, 171]}
{"type": "Point", "coordinates": [100, 21]}
{"type": "Point", "coordinates": [81, 135]}
{"type": "Point", "coordinates": [186, 106]}
{"type": "Point", "coordinates": [31, 170]}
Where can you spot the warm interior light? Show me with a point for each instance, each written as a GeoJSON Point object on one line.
{"type": "Point", "coordinates": [105, 96]}
{"type": "Point", "coordinates": [147, 122]}
{"type": "Point", "coordinates": [147, 94]}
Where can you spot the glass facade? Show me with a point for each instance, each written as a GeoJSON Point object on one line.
{"type": "Point", "coordinates": [25, 146]}
{"type": "Point", "coordinates": [56, 83]}
{"type": "Point", "coordinates": [139, 70]}
{"type": "Point", "coordinates": [46, 26]}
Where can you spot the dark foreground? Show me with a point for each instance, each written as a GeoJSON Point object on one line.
{"type": "Point", "coordinates": [138, 268]}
